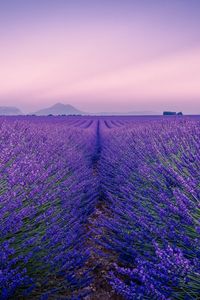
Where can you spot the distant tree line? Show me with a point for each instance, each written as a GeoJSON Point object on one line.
{"type": "Point", "coordinates": [172, 113]}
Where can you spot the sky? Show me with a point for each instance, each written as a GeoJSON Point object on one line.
{"type": "Point", "coordinates": [100, 55]}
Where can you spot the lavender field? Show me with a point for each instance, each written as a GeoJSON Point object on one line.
{"type": "Point", "coordinates": [99, 208]}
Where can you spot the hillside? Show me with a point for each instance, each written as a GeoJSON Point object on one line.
{"type": "Point", "coordinates": [59, 109]}
{"type": "Point", "coordinates": [9, 111]}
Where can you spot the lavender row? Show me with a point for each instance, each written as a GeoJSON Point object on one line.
{"type": "Point", "coordinates": [47, 192]}
{"type": "Point", "coordinates": [143, 172]}
{"type": "Point", "coordinates": [151, 226]}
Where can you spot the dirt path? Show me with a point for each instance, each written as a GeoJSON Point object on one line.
{"type": "Point", "coordinates": [99, 260]}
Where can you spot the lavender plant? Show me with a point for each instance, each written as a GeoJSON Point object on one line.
{"type": "Point", "coordinates": [151, 181]}
{"type": "Point", "coordinates": [141, 175]}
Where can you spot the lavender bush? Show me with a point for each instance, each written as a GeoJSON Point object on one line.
{"type": "Point", "coordinates": [141, 175]}
{"type": "Point", "coordinates": [152, 182]}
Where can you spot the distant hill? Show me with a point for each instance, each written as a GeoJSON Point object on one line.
{"type": "Point", "coordinates": [132, 113]}
{"type": "Point", "coordinates": [143, 113]}
{"type": "Point", "coordinates": [9, 111]}
{"type": "Point", "coordinates": [59, 109]}
{"type": "Point", "coordinates": [67, 109]}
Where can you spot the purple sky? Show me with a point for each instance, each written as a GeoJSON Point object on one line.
{"type": "Point", "coordinates": [101, 55]}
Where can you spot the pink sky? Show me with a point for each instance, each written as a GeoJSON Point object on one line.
{"type": "Point", "coordinates": [117, 56]}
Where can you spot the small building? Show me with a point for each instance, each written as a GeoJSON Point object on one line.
{"type": "Point", "coordinates": [169, 113]}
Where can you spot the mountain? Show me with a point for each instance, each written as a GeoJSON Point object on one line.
{"type": "Point", "coordinates": [59, 109]}
{"type": "Point", "coordinates": [67, 109]}
{"type": "Point", "coordinates": [9, 111]}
